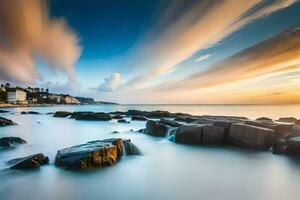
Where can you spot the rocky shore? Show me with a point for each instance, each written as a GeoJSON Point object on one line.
{"type": "Point", "coordinates": [281, 136]}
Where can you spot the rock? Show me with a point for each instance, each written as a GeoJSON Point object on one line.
{"type": "Point", "coordinates": [122, 121]}
{"type": "Point", "coordinates": [115, 132]}
{"type": "Point", "coordinates": [74, 114]}
{"type": "Point", "coordinates": [159, 114]}
{"type": "Point", "coordinates": [32, 161]}
{"type": "Point", "coordinates": [4, 111]}
{"type": "Point", "coordinates": [200, 134]}
{"type": "Point", "coordinates": [30, 112]}
{"type": "Point", "coordinates": [295, 130]}
{"type": "Point", "coordinates": [293, 146]}
{"type": "Point", "coordinates": [11, 141]}
{"type": "Point", "coordinates": [251, 136]}
{"type": "Point", "coordinates": [287, 119]}
{"type": "Point", "coordinates": [117, 117]}
{"type": "Point", "coordinates": [283, 129]}
{"type": "Point", "coordinates": [100, 116]}
{"type": "Point", "coordinates": [90, 155]}
{"type": "Point", "coordinates": [155, 128]}
{"type": "Point", "coordinates": [118, 113]}
{"type": "Point", "coordinates": [297, 122]}
{"type": "Point", "coordinates": [6, 122]}
{"type": "Point", "coordinates": [264, 119]}
{"type": "Point", "coordinates": [136, 112]}
{"type": "Point", "coordinates": [189, 134]}
{"type": "Point", "coordinates": [130, 148]}
{"type": "Point", "coordinates": [62, 114]}
{"type": "Point", "coordinates": [186, 119]}
{"type": "Point", "coordinates": [279, 146]}
{"type": "Point", "coordinates": [169, 122]}
{"type": "Point", "coordinates": [262, 124]}
{"type": "Point", "coordinates": [138, 118]}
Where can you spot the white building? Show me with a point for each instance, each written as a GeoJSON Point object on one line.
{"type": "Point", "coordinates": [71, 100]}
{"type": "Point", "coordinates": [15, 95]}
{"type": "Point", "coordinates": [55, 98]}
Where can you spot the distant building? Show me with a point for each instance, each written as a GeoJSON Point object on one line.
{"type": "Point", "coordinates": [16, 95]}
{"type": "Point", "coordinates": [55, 98]}
{"type": "Point", "coordinates": [71, 100]}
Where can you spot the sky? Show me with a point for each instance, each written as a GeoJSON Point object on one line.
{"type": "Point", "coordinates": [155, 51]}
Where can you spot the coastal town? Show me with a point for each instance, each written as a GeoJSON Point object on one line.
{"type": "Point", "coordinates": [16, 95]}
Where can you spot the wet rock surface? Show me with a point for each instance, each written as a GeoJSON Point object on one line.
{"type": "Point", "coordinates": [156, 128]}
{"type": "Point", "coordinates": [11, 141]}
{"type": "Point", "coordinates": [100, 116]}
{"type": "Point", "coordinates": [6, 122]}
{"type": "Point", "coordinates": [287, 119]}
{"type": "Point", "coordinates": [62, 114]}
{"type": "Point", "coordinates": [31, 161]}
{"type": "Point", "coordinates": [138, 118]}
{"type": "Point", "coordinates": [92, 154]}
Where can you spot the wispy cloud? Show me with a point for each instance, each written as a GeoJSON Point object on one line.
{"type": "Point", "coordinates": [202, 25]}
{"type": "Point", "coordinates": [27, 32]}
{"type": "Point", "coordinates": [203, 57]}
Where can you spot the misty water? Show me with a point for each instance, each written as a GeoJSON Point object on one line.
{"type": "Point", "coordinates": [164, 171]}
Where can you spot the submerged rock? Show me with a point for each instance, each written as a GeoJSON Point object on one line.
{"type": "Point", "coordinates": [138, 118]}
{"type": "Point", "coordinates": [251, 136]}
{"type": "Point", "coordinates": [6, 122]}
{"type": "Point", "coordinates": [123, 121]}
{"type": "Point", "coordinates": [156, 128]}
{"type": "Point", "coordinates": [100, 116]}
{"type": "Point", "coordinates": [62, 114]}
{"type": "Point", "coordinates": [91, 154]}
{"type": "Point", "coordinates": [11, 141]}
{"type": "Point", "coordinates": [4, 111]}
{"type": "Point", "coordinates": [32, 161]}
{"type": "Point", "coordinates": [287, 119]}
{"type": "Point", "coordinates": [30, 112]}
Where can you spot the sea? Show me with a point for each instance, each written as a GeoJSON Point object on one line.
{"type": "Point", "coordinates": [164, 171]}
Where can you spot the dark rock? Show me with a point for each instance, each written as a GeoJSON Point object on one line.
{"type": "Point", "coordinates": [169, 122]}
{"type": "Point", "coordinates": [115, 132]}
{"type": "Point", "coordinates": [4, 111]}
{"type": "Point", "coordinates": [264, 119]}
{"type": "Point", "coordinates": [283, 129]}
{"type": "Point", "coordinates": [117, 117]}
{"type": "Point", "coordinates": [136, 112]}
{"type": "Point", "coordinates": [62, 114]}
{"type": "Point", "coordinates": [141, 130]}
{"type": "Point", "coordinates": [11, 141]}
{"type": "Point", "coordinates": [130, 148]}
{"type": "Point", "coordinates": [287, 119]}
{"type": "Point", "coordinates": [74, 114]}
{"type": "Point", "coordinates": [100, 116]}
{"type": "Point", "coordinates": [122, 121]}
{"type": "Point", "coordinates": [91, 154]}
{"type": "Point", "coordinates": [118, 113]}
{"type": "Point", "coordinates": [138, 118]}
{"type": "Point", "coordinates": [32, 161]}
{"type": "Point", "coordinates": [159, 114]}
{"type": "Point", "coordinates": [297, 122]}
{"type": "Point", "coordinates": [155, 128]}
{"type": "Point", "coordinates": [200, 134]}
{"type": "Point", "coordinates": [185, 119]}
{"type": "Point", "coordinates": [262, 124]}
{"type": "Point", "coordinates": [6, 122]}
{"type": "Point", "coordinates": [293, 146]}
{"type": "Point", "coordinates": [30, 112]}
{"type": "Point", "coordinates": [295, 130]}
{"type": "Point", "coordinates": [251, 136]}
{"type": "Point", "coordinates": [279, 146]}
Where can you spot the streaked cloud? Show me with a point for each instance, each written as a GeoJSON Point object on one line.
{"type": "Point", "coordinates": [203, 25]}
{"type": "Point", "coordinates": [27, 33]}
{"type": "Point", "coordinates": [111, 83]}
{"type": "Point", "coordinates": [203, 57]}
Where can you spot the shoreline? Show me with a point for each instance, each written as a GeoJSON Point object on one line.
{"type": "Point", "coordinates": [7, 105]}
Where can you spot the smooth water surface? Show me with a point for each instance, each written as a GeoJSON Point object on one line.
{"type": "Point", "coordinates": [164, 171]}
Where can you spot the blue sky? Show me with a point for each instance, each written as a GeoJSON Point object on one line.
{"type": "Point", "coordinates": [126, 49]}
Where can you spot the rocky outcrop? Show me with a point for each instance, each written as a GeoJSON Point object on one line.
{"type": "Point", "coordinates": [74, 114]}
{"type": "Point", "coordinates": [200, 134]}
{"type": "Point", "coordinates": [156, 128]}
{"type": "Point", "coordinates": [264, 119]}
{"type": "Point", "coordinates": [249, 136]}
{"type": "Point", "coordinates": [139, 118]}
{"type": "Point", "coordinates": [287, 119]}
{"type": "Point", "coordinates": [6, 122]}
{"type": "Point", "coordinates": [32, 161]}
{"type": "Point", "coordinates": [93, 154]}
{"type": "Point", "coordinates": [117, 117]}
{"type": "Point", "coordinates": [62, 114]}
{"type": "Point", "coordinates": [100, 116]}
{"type": "Point", "coordinates": [29, 112]}
{"type": "Point", "coordinates": [159, 114]}
{"type": "Point", "coordinates": [11, 141]}
{"type": "Point", "coordinates": [186, 119]}
{"type": "Point", "coordinates": [169, 122]}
